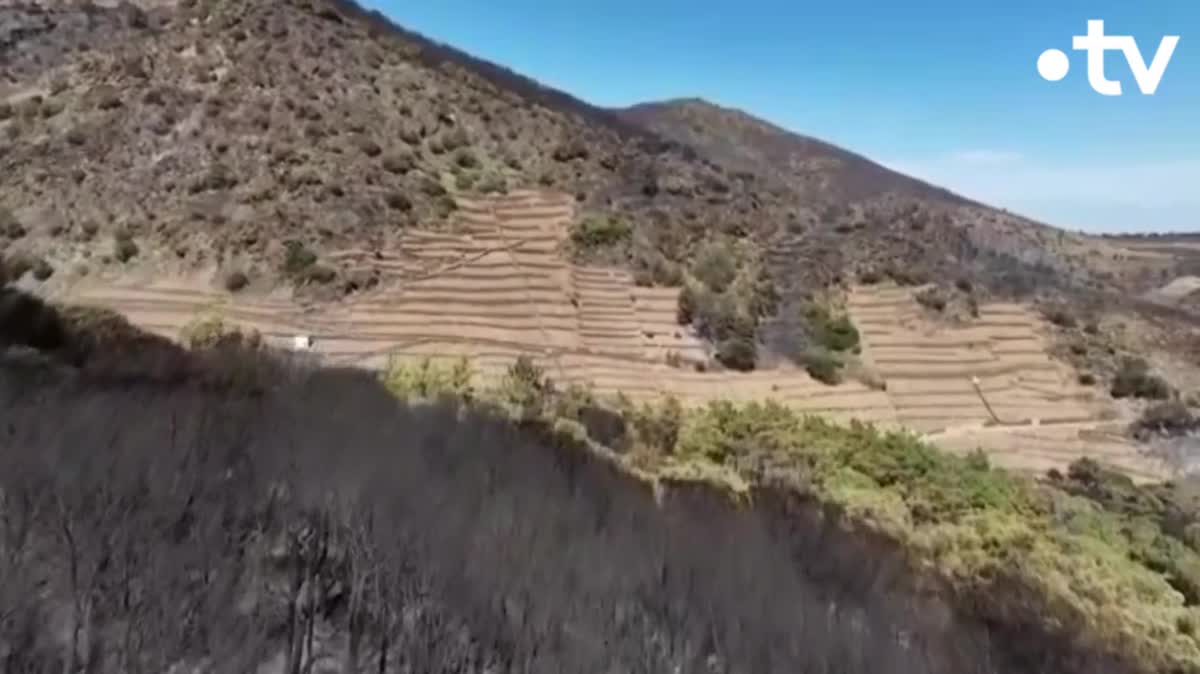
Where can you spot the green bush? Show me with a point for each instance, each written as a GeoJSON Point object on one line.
{"type": "Point", "coordinates": [823, 366]}
{"type": "Point", "coordinates": [297, 258]}
{"type": "Point", "coordinates": [1089, 556]}
{"type": "Point", "coordinates": [601, 231]}
{"type": "Point", "coordinates": [738, 353]}
{"type": "Point", "coordinates": [834, 334]}
{"type": "Point", "coordinates": [719, 317]}
{"type": "Point", "coordinates": [465, 181]}
{"type": "Point", "coordinates": [658, 426]}
{"type": "Point", "coordinates": [685, 313]}
{"type": "Point", "coordinates": [1134, 380]}
{"type": "Point", "coordinates": [426, 379]}
{"type": "Point", "coordinates": [715, 265]}
{"type": "Point", "coordinates": [204, 332]}
{"type": "Point", "coordinates": [525, 389]}
{"type": "Point", "coordinates": [493, 183]}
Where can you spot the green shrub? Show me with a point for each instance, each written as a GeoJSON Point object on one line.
{"type": "Point", "coordinates": [525, 389]}
{"type": "Point", "coordinates": [658, 426]}
{"type": "Point", "coordinates": [715, 265]}
{"type": "Point", "coordinates": [822, 366]}
{"type": "Point", "coordinates": [204, 332]}
{"type": "Point", "coordinates": [1134, 380]}
{"type": "Point", "coordinates": [493, 183]}
{"type": "Point", "coordinates": [298, 258]}
{"type": "Point", "coordinates": [738, 353]}
{"type": "Point", "coordinates": [835, 334]}
{"type": "Point", "coordinates": [465, 181]}
{"type": "Point", "coordinates": [719, 317]}
{"type": "Point", "coordinates": [685, 312]}
{"type": "Point", "coordinates": [602, 422]}
{"type": "Point", "coordinates": [600, 231]}
{"type": "Point", "coordinates": [426, 379]}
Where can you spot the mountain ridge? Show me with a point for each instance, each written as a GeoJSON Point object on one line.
{"type": "Point", "coordinates": [209, 133]}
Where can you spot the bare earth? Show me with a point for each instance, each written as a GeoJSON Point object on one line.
{"type": "Point", "coordinates": [498, 285]}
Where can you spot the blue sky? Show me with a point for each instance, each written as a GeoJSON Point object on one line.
{"type": "Point", "coordinates": [946, 90]}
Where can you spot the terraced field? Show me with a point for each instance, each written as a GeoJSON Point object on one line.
{"type": "Point", "coordinates": [497, 285]}
{"type": "Point", "coordinates": [994, 371]}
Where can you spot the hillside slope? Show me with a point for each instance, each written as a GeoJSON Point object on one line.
{"type": "Point", "coordinates": [218, 128]}
{"type": "Point", "coordinates": [818, 170]}
{"type": "Point", "coordinates": [263, 139]}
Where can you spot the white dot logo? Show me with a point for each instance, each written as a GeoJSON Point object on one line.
{"type": "Point", "coordinates": [1053, 65]}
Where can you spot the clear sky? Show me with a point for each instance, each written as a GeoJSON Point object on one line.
{"type": "Point", "coordinates": [946, 90]}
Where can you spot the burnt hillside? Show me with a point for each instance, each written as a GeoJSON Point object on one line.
{"type": "Point", "coordinates": [179, 510]}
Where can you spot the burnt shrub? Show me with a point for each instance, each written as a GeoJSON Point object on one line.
{"type": "Point", "coordinates": [1060, 316]}
{"type": "Point", "coordinates": [42, 270]}
{"type": "Point", "coordinates": [932, 299]}
{"type": "Point", "coordinates": [124, 248]}
{"type": "Point", "coordinates": [1168, 419]}
{"type": "Point", "coordinates": [236, 280]}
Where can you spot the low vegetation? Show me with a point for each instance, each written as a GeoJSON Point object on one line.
{"type": "Point", "coordinates": [601, 231]}
{"type": "Point", "coordinates": [124, 247]}
{"type": "Point", "coordinates": [1134, 380]}
{"type": "Point", "coordinates": [1167, 419]}
{"type": "Point", "coordinates": [728, 292]}
{"type": "Point", "coordinates": [429, 379]}
{"type": "Point", "coordinates": [933, 299]}
{"type": "Point", "coordinates": [1115, 564]}
{"type": "Point", "coordinates": [830, 332]}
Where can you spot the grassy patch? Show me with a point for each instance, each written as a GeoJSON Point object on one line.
{"type": "Point", "coordinates": [601, 231]}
